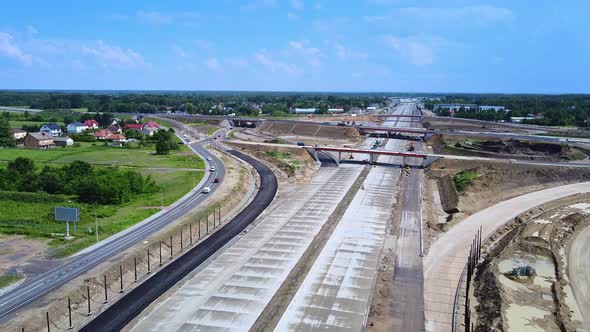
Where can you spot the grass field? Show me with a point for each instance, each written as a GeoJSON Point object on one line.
{"type": "Point", "coordinates": [9, 279]}
{"type": "Point", "coordinates": [97, 154]}
{"type": "Point", "coordinates": [36, 219]}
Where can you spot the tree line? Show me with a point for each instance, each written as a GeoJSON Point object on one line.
{"type": "Point", "coordinates": [556, 110]}
{"type": "Point", "coordinates": [194, 103]}
{"type": "Point", "coordinates": [99, 185]}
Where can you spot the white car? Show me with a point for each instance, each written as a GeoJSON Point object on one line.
{"type": "Point", "coordinates": [209, 159]}
{"type": "Point", "coordinates": [206, 190]}
{"type": "Point", "coordinates": [212, 168]}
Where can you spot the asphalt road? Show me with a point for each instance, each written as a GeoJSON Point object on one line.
{"type": "Point", "coordinates": [35, 288]}
{"type": "Point", "coordinates": [123, 311]}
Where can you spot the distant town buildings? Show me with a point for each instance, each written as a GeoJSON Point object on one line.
{"type": "Point", "coordinates": [63, 141]}
{"type": "Point", "coordinates": [303, 110]}
{"type": "Point", "coordinates": [335, 110]}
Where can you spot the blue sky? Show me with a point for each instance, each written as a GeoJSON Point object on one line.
{"type": "Point", "coordinates": [306, 45]}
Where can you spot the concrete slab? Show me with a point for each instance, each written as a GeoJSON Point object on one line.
{"type": "Point", "coordinates": [231, 292]}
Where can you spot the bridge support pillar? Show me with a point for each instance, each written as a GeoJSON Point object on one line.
{"type": "Point", "coordinates": [371, 159]}
{"type": "Point", "coordinates": [315, 155]}
{"type": "Point", "coordinates": [339, 157]}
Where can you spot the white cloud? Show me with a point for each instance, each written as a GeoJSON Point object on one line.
{"type": "Point", "coordinates": [344, 53]}
{"type": "Point", "coordinates": [10, 49]}
{"type": "Point", "coordinates": [264, 59]}
{"type": "Point", "coordinates": [412, 49]}
{"type": "Point", "coordinates": [297, 4]}
{"type": "Point", "coordinates": [292, 16]}
{"type": "Point", "coordinates": [310, 54]}
{"type": "Point", "coordinates": [114, 56]}
{"type": "Point", "coordinates": [212, 63]}
{"type": "Point", "coordinates": [179, 51]}
{"type": "Point", "coordinates": [154, 17]}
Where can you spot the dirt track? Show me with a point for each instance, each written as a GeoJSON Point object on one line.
{"type": "Point", "coordinates": [579, 272]}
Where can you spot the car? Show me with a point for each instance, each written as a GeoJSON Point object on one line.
{"type": "Point", "coordinates": [209, 159]}
{"type": "Point", "coordinates": [300, 144]}
{"type": "Point", "coordinates": [212, 169]}
{"type": "Point", "coordinates": [206, 190]}
{"type": "Point", "coordinates": [216, 180]}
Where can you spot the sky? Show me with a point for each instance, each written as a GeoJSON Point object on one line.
{"type": "Point", "coordinates": [524, 46]}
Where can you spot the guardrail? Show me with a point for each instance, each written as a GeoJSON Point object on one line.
{"type": "Point", "coordinates": [456, 303]}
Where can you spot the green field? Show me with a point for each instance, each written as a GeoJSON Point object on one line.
{"type": "Point", "coordinates": [171, 173]}
{"type": "Point", "coordinates": [97, 154]}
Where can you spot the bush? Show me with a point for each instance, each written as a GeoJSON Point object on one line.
{"type": "Point", "coordinates": [82, 138]}
{"type": "Point", "coordinates": [464, 178]}
{"type": "Point", "coordinates": [26, 197]}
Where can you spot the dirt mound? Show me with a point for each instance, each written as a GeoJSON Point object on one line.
{"type": "Point", "coordinates": [298, 129]}
{"type": "Point", "coordinates": [511, 149]}
{"type": "Point", "coordinates": [448, 194]}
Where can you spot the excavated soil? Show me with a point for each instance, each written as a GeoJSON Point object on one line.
{"type": "Point", "coordinates": [538, 238]}
{"type": "Point", "coordinates": [495, 182]}
{"type": "Point", "coordinates": [508, 149]}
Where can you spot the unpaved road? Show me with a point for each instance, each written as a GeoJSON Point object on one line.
{"type": "Point", "coordinates": [447, 256]}
{"type": "Point", "coordinates": [579, 272]}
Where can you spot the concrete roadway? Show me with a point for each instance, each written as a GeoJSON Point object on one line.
{"type": "Point", "coordinates": [35, 288]}
{"type": "Point", "coordinates": [579, 273]}
{"type": "Point", "coordinates": [447, 256]}
{"type": "Point", "coordinates": [231, 291]}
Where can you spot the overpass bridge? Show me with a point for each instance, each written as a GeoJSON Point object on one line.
{"type": "Point", "coordinates": [419, 116]}
{"type": "Point", "coordinates": [371, 153]}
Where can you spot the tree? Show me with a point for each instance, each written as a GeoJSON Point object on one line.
{"type": "Point", "coordinates": [22, 165]}
{"type": "Point", "coordinates": [162, 146]}
{"type": "Point", "coordinates": [6, 138]}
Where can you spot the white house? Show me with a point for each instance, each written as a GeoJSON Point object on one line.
{"type": "Point", "coordinates": [149, 130]}
{"type": "Point", "coordinates": [51, 128]}
{"type": "Point", "coordinates": [335, 110]}
{"type": "Point", "coordinates": [76, 128]}
{"type": "Point", "coordinates": [303, 110]}
{"type": "Point", "coordinates": [63, 141]}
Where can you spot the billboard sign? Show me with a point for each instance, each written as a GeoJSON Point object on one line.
{"type": "Point", "coordinates": [66, 214]}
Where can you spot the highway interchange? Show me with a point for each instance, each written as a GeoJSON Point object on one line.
{"type": "Point", "coordinates": [243, 271]}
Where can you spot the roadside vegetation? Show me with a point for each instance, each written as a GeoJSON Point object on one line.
{"type": "Point", "coordinates": [463, 179]}
{"type": "Point", "coordinates": [9, 279]}
{"type": "Point", "coordinates": [123, 186]}
{"type": "Point", "coordinates": [291, 163]}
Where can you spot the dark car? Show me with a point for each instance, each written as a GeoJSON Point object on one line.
{"type": "Point", "coordinates": [216, 180]}
{"type": "Point", "coordinates": [300, 144]}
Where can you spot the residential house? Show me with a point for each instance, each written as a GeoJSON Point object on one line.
{"type": "Point", "coordinates": [63, 141]}
{"type": "Point", "coordinates": [116, 137]}
{"type": "Point", "coordinates": [92, 124]}
{"type": "Point", "coordinates": [51, 128]}
{"type": "Point", "coordinates": [152, 124]}
{"type": "Point", "coordinates": [148, 130]}
{"type": "Point", "coordinates": [102, 134]}
{"type": "Point", "coordinates": [134, 126]}
{"type": "Point", "coordinates": [115, 129]}
{"type": "Point", "coordinates": [18, 133]}
{"type": "Point", "coordinates": [76, 128]}
{"type": "Point", "coordinates": [40, 140]}
{"type": "Point", "coordinates": [303, 110]}
{"type": "Point", "coordinates": [115, 121]}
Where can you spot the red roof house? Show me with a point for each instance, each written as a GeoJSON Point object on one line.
{"type": "Point", "coordinates": [103, 134]}
{"type": "Point", "coordinates": [91, 123]}
{"type": "Point", "coordinates": [152, 124]}
{"type": "Point", "coordinates": [116, 137]}
{"type": "Point", "coordinates": [134, 126]}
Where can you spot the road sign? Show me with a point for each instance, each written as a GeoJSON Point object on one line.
{"type": "Point", "coordinates": [66, 214]}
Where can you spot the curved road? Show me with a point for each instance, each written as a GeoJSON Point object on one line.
{"type": "Point", "coordinates": [115, 317]}
{"type": "Point", "coordinates": [579, 273]}
{"type": "Point", "coordinates": [75, 266]}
